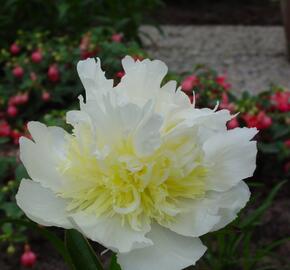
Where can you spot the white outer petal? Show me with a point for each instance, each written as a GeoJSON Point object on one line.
{"type": "Point", "coordinates": [230, 203]}
{"type": "Point", "coordinates": [213, 212]}
{"type": "Point", "coordinates": [42, 205]}
{"type": "Point", "coordinates": [42, 157]}
{"type": "Point", "coordinates": [110, 232]}
{"type": "Point", "coordinates": [142, 79]}
{"type": "Point", "coordinates": [169, 252]}
{"type": "Point", "coordinates": [93, 78]}
{"type": "Point", "coordinates": [230, 157]}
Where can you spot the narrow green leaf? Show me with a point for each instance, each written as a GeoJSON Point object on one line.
{"type": "Point", "coordinates": [82, 254]}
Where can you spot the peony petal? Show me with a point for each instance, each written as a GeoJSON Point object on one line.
{"type": "Point", "coordinates": [142, 79]}
{"type": "Point", "coordinates": [170, 251]}
{"type": "Point", "coordinates": [41, 205]}
{"type": "Point", "coordinates": [230, 157]}
{"type": "Point", "coordinates": [147, 134]}
{"type": "Point", "coordinates": [116, 122]}
{"type": "Point", "coordinates": [93, 78]}
{"type": "Point", "coordinates": [213, 212]}
{"type": "Point", "coordinates": [110, 232]}
{"type": "Point", "coordinates": [230, 203]}
{"type": "Point", "coordinates": [42, 157]}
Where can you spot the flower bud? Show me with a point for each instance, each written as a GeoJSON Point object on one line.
{"type": "Point", "coordinates": [18, 72]}
{"type": "Point", "coordinates": [28, 258]}
{"type": "Point", "coordinates": [15, 49]}
{"type": "Point", "coordinates": [36, 56]}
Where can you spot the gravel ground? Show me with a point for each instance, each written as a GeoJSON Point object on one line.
{"type": "Point", "coordinates": [252, 56]}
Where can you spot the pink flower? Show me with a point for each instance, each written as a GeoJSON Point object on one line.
{"type": "Point", "coordinates": [28, 258]}
{"type": "Point", "coordinates": [12, 111]}
{"type": "Point", "coordinates": [188, 83]}
{"type": "Point", "coordinates": [24, 98]}
{"type": "Point", "coordinates": [85, 42]}
{"type": "Point", "coordinates": [221, 80]}
{"type": "Point", "coordinates": [14, 49]}
{"type": "Point", "coordinates": [18, 72]}
{"type": "Point", "coordinates": [53, 73]}
{"type": "Point", "coordinates": [118, 37]}
{"type": "Point", "coordinates": [281, 101]}
{"type": "Point", "coordinates": [5, 129]}
{"type": "Point", "coordinates": [233, 123]}
{"type": "Point", "coordinates": [36, 56]}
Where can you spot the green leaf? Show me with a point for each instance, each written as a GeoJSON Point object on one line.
{"type": "Point", "coordinates": [114, 264]}
{"type": "Point", "coordinates": [82, 254]}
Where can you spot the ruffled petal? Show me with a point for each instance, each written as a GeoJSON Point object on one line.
{"type": "Point", "coordinates": [41, 157]}
{"type": "Point", "coordinates": [211, 213]}
{"type": "Point", "coordinates": [41, 205]}
{"type": "Point", "coordinates": [93, 78]}
{"type": "Point", "coordinates": [142, 79]}
{"type": "Point", "coordinates": [230, 203]}
{"type": "Point", "coordinates": [230, 157]}
{"type": "Point", "coordinates": [170, 251]}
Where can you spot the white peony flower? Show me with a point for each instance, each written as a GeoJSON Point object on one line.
{"type": "Point", "coordinates": [144, 173]}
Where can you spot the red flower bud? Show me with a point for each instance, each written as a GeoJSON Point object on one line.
{"type": "Point", "coordinates": [12, 111]}
{"type": "Point", "coordinates": [264, 121]}
{"type": "Point", "coordinates": [188, 83]}
{"type": "Point", "coordinates": [45, 96]}
{"type": "Point", "coordinates": [36, 56]}
{"type": "Point", "coordinates": [28, 258]}
{"type": "Point", "coordinates": [14, 49]}
{"type": "Point", "coordinates": [233, 123]}
{"type": "Point", "coordinates": [221, 80]}
{"type": "Point", "coordinates": [53, 73]}
{"type": "Point", "coordinates": [281, 101]}
{"type": "Point", "coordinates": [260, 121]}
{"type": "Point", "coordinates": [18, 72]}
{"type": "Point", "coordinates": [5, 129]}
{"type": "Point", "coordinates": [18, 99]}
{"type": "Point", "coordinates": [120, 74]}
{"type": "Point", "coordinates": [117, 37]}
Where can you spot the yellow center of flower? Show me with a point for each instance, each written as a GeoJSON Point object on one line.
{"type": "Point", "coordinates": [139, 189]}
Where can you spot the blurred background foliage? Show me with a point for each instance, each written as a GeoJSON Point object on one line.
{"type": "Point", "coordinates": [73, 17]}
